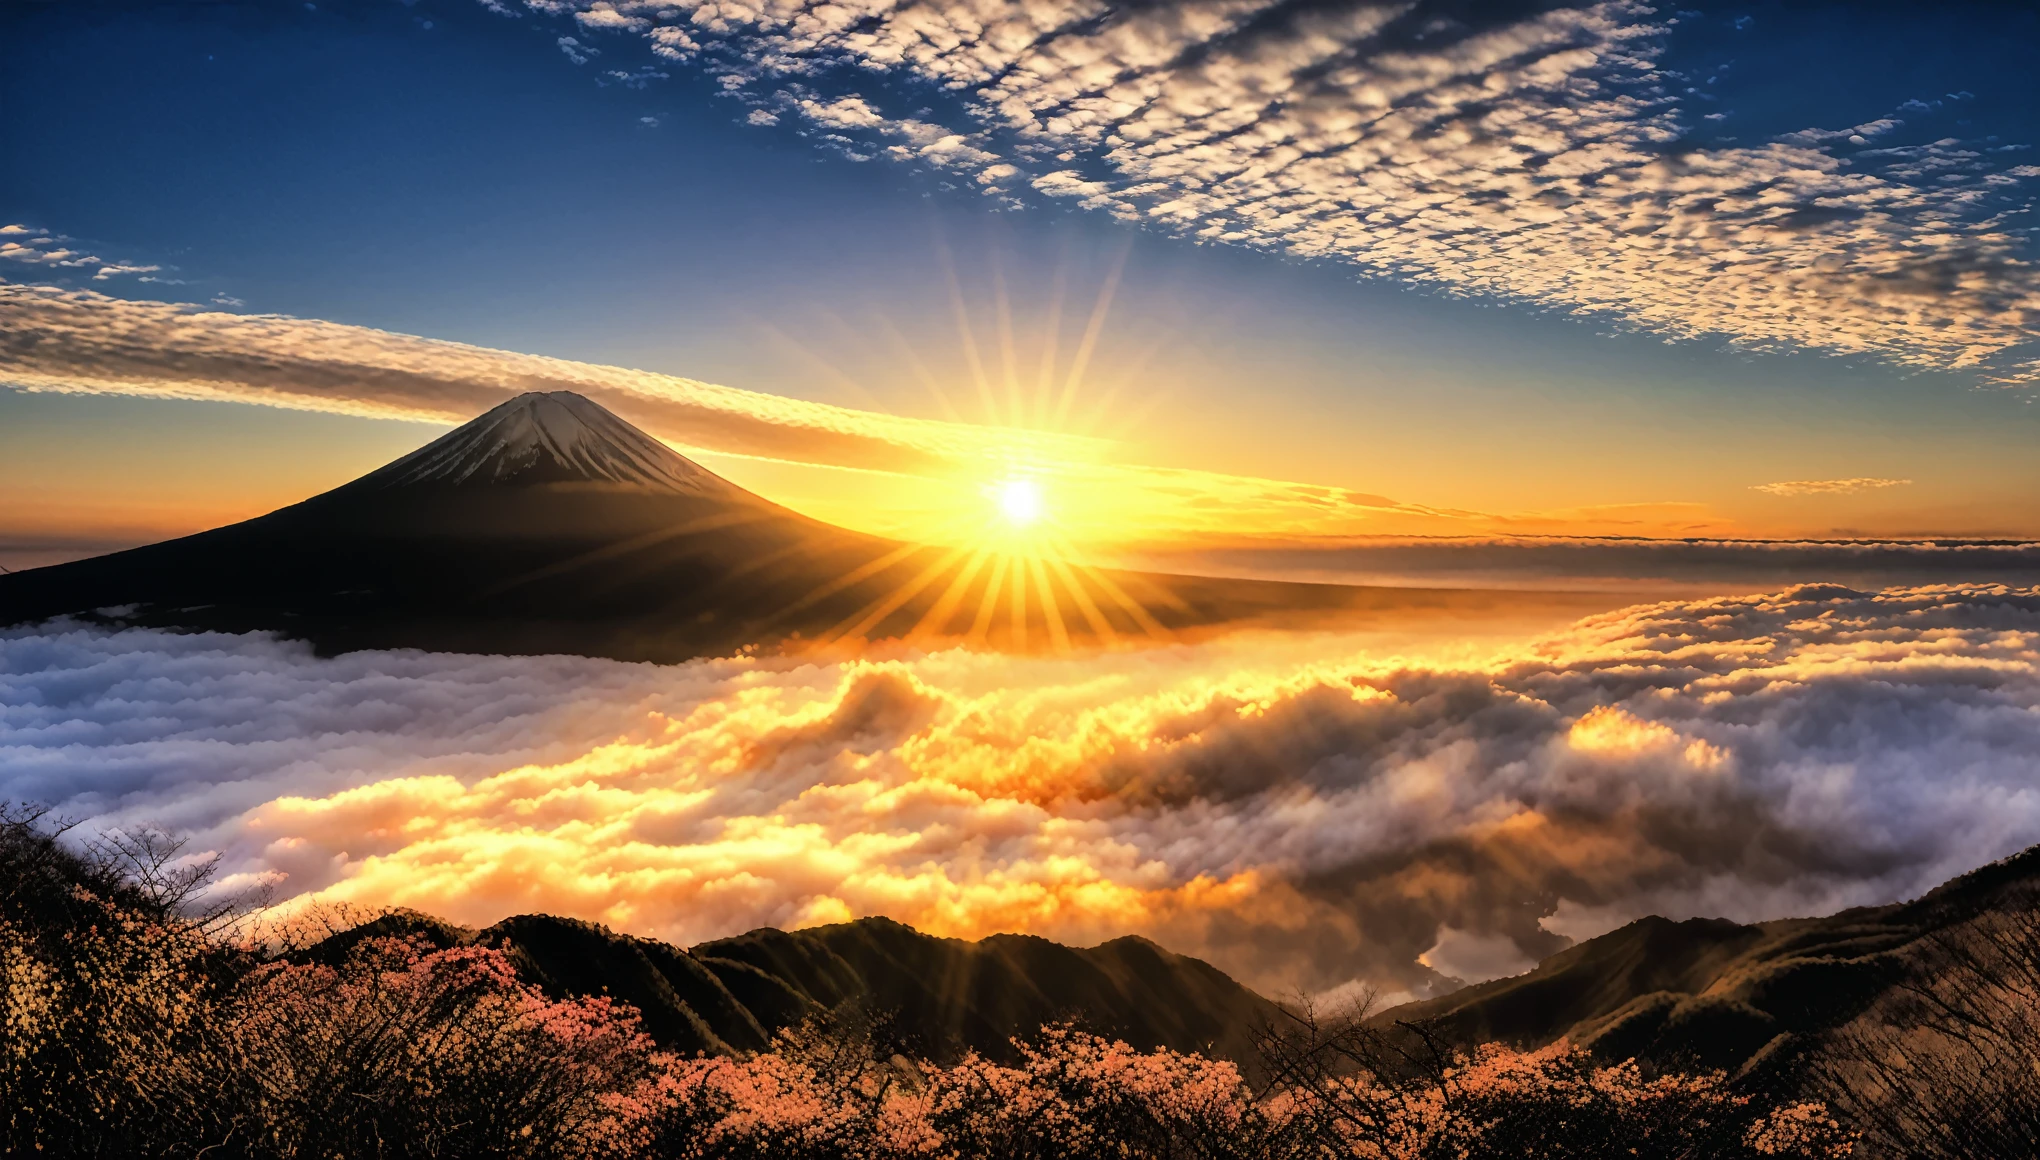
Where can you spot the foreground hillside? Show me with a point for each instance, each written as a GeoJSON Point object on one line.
{"type": "Point", "coordinates": [136, 1027]}
{"type": "Point", "coordinates": [1759, 1001]}
{"type": "Point", "coordinates": [138, 1023]}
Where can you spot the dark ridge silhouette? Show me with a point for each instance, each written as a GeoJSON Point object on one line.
{"type": "Point", "coordinates": [548, 525]}
{"type": "Point", "coordinates": [1718, 994]}
{"type": "Point", "coordinates": [1762, 999]}
{"type": "Point", "coordinates": [947, 994]}
{"type": "Point", "coordinates": [942, 996]}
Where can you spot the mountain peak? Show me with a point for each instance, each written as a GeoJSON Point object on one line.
{"type": "Point", "coordinates": [549, 437]}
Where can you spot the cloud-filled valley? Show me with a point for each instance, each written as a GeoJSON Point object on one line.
{"type": "Point", "coordinates": [1302, 809]}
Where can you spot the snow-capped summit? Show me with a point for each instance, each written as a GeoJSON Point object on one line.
{"type": "Point", "coordinates": [550, 437]}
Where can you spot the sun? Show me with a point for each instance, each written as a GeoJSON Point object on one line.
{"type": "Point", "coordinates": [1006, 561]}
{"type": "Point", "coordinates": [1019, 501]}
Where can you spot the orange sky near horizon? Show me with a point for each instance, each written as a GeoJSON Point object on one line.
{"type": "Point", "coordinates": [142, 485]}
{"type": "Point", "coordinates": [135, 421]}
{"type": "Point", "coordinates": [146, 487]}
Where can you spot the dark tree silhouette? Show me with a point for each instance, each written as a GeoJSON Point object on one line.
{"type": "Point", "coordinates": [1946, 1064]}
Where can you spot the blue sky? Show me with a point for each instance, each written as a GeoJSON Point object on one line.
{"type": "Point", "coordinates": [439, 169]}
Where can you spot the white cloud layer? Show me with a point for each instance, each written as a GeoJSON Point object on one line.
{"type": "Point", "coordinates": [1302, 809]}
{"type": "Point", "coordinates": [1543, 156]}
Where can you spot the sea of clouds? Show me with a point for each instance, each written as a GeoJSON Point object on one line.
{"type": "Point", "coordinates": [1305, 810]}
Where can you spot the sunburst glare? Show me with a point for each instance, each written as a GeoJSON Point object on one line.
{"type": "Point", "coordinates": [994, 562]}
{"type": "Point", "coordinates": [1020, 501]}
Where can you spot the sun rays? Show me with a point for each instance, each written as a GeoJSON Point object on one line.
{"type": "Point", "coordinates": [1009, 580]}
{"type": "Point", "coordinates": [1001, 569]}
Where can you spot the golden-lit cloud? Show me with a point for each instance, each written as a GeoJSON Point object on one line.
{"type": "Point", "coordinates": [1609, 731]}
{"type": "Point", "coordinates": [1798, 487]}
{"type": "Point", "coordinates": [1302, 809]}
{"type": "Point", "coordinates": [1542, 155]}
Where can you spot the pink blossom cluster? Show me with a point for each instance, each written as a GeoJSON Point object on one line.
{"type": "Point", "coordinates": [404, 1041]}
{"type": "Point", "coordinates": [1073, 1094]}
{"type": "Point", "coordinates": [129, 1032]}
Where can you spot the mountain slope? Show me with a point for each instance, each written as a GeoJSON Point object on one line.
{"type": "Point", "coordinates": [948, 993]}
{"type": "Point", "coordinates": [944, 996]}
{"type": "Point", "coordinates": [1766, 998]}
{"type": "Point", "coordinates": [550, 525]}
{"type": "Point", "coordinates": [1719, 994]}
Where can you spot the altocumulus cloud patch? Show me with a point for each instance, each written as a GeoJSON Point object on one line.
{"type": "Point", "coordinates": [1540, 153]}
{"type": "Point", "coordinates": [1301, 809]}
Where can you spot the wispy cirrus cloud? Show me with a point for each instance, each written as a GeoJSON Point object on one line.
{"type": "Point", "coordinates": [1300, 809]}
{"type": "Point", "coordinates": [1541, 156]}
{"type": "Point", "coordinates": [58, 339]}
{"type": "Point", "coordinates": [1798, 487]}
